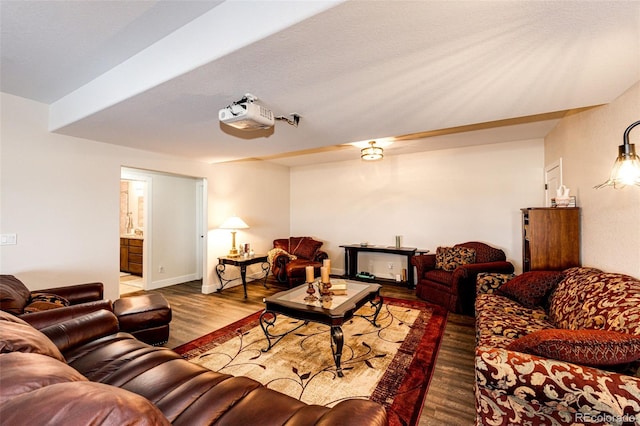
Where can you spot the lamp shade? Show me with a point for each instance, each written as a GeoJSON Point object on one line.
{"type": "Point", "coordinates": [234, 222]}
{"type": "Point", "coordinates": [626, 169]}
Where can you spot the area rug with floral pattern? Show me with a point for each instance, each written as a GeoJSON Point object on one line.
{"type": "Point", "coordinates": [391, 365]}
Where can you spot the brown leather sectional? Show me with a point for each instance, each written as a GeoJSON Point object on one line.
{"type": "Point", "coordinates": [147, 317]}
{"type": "Point", "coordinates": [85, 371]}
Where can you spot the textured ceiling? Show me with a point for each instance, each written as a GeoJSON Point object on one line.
{"type": "Point", "coordinates": [153, 75]}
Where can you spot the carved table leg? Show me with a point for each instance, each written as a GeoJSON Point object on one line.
{"type": "Point", "coordinates": [337, 342]}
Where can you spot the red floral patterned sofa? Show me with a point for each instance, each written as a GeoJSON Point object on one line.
{"type": "Point", "coordinates": [558, 348]}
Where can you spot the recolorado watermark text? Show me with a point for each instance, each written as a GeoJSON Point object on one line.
{"type": "Point", "coordinates": [606, 418]}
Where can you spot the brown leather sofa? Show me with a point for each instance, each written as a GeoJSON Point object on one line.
{"type": "Point", "coordinates": [448, 277]}
{"type": "Point", "coordinates": [290, 256]}
{"type": "Point", "coordinates": [41, 307]}
{"type": "Point", "coordinates": [147, 316]}
{"type": "Point", "coordinates": [84, 371]}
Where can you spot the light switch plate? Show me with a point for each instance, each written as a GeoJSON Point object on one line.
{"type": "Point", "coordinates": [8, 239]}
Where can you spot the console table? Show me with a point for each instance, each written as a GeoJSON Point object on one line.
{"type": "Point", "coordinates": [351, 260]}
{"type": "Point", "coordinates": [242, 263]}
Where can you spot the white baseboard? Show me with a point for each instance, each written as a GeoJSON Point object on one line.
{"type": "Point", "coordinates": [208, 289]}
{"type": "Point", "coordinates": [172, 281]}
{"type": "Point", "coordinates": [215, 285]}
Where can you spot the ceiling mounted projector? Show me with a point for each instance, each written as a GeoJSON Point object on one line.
{"type": "Point", "coordinates": [245, 114]}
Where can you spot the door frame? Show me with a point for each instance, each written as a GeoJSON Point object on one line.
{"type": "Point", "coordinates": [127, 173]}
{"type": "Point", "coordinates": [548, 170]}
{"type": "Point", "coordinates": [201, 222]}
{"type": "Point", "coordinates": [201, 231]}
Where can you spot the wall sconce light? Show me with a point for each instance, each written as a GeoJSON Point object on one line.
{"type": "Point", "coordinates": [372, 152]}
{"type": "Point", "coordinates": [626, 169]}
{"type": "Point", "coordinates": [234, 223]}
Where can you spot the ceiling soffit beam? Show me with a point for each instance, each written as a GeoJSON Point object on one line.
{"type": "Point", "coordinates": [556, 115]}
{"type": "Point", "coordinates": [219, 32]}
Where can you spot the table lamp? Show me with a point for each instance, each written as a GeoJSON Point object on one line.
{"type": "Point", "coordinates": [234, 223]}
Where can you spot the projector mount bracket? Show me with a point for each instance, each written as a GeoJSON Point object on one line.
{"type": "Point", "coordinates": [249, 98]}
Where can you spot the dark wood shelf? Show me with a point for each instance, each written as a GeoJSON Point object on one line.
{"type": "Point", "coordinates": [550, 238]}
{"type": "Point", "coordinates": [351, 261]}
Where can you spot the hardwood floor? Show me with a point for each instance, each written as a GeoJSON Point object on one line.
{"type": "Point", "coordinates": [450, 399]}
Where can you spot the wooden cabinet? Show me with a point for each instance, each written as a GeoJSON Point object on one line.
{"type": "Point", "coordinates": [550, 238]}
{"type": "Point", "coordinates": [131, 255]}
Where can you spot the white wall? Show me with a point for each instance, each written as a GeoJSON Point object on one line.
{"type": "Point", "coordinates": [172, 235]}
{"type": "Point", "coordinates": [60, 195]}
{"type": "Point", "coordinates": [257, 192]}
{"type": "Point", "coordinates": [431, 199]}
{"type": "Point", "coordinates": [588, 144]}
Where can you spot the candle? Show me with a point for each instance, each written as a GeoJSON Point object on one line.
{"type": "Point", "coordinates": [309, 271]}
{"type": "Point", "coordinates": [324, 274]}
{"type": "Point", "coordinates": [327, 264]}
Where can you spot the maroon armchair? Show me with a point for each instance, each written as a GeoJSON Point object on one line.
{"type": "Point", "coordinates": [290, 256]}
{"type": "Point", "coordinates": [448, 277]}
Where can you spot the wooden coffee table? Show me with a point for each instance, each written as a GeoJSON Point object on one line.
{"type": "Point", "coordinates": [343, 307]}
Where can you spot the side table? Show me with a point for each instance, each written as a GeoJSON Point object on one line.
{"type": "Point", "coordinates": [242, 263]}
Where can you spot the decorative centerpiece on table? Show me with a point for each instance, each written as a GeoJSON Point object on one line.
{"type": "Point", "coordinates": [325, 284]}
{"type": "Point", "coordinates": [326, 289]}
{"type": "Point", "coordinates": [310, 279]}
{"type": "Point", "coordinates": [339, 288]}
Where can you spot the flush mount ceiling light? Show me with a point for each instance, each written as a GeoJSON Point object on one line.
{"type": "Point", "coordinates": [372, 152]}
{"type": "Point", "coordinates": [626, 169]}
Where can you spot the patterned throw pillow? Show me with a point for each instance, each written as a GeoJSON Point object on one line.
{"type": "Point", "coordinates": [587, 299]}
{"type": "Point", "coordinates": [45, 301]}
{"type": "Point", "coordinates": [490, 282]}
{"type": "Point", "coordinates": [531, 288]}
{"type": "Point", "coordinates": [586, 347]}
{"type": "Point", "coordinates": [449, 258]}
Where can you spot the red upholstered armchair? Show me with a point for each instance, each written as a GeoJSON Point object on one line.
{"type": "Point", "coordinates": [48, 306]}
{"type": "Point", "coordinates": [290, 256]}
{"type": "Point", "coordinates": [448, 277]}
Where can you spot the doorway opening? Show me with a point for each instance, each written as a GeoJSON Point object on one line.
{"type": "Point", "coordinates": [162, 229]}
{"type": "Point", "coordinates": [132, 229]}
